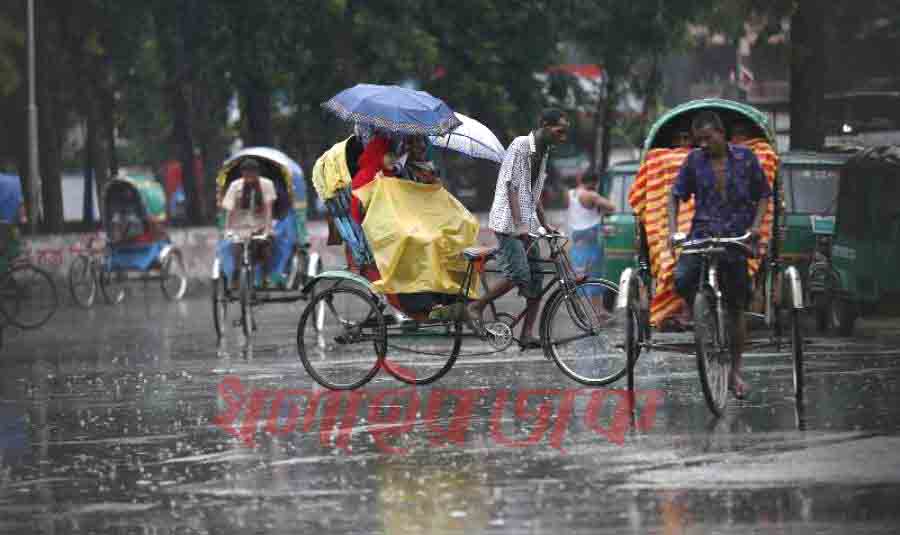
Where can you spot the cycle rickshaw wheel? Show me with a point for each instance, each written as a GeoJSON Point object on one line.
{"type": "Point", "coordinates": [220, 305]}
{"type": "Point", "coordinates": [581, 336]}
{"type": "Point", "coordinates": [422, 352]}
{"type": "Point", "coordinates": [28, 296]}
{"type": "Point", "coordinates": [112, 286]}
{"type": "Point", "coordinates": [797, 352]}
{"type": "Point", "coordinates": [713, 358]}
{"type": "Point", "coordinates": [347, 351]}
{"type": "Point", "coordinates": [247, 321]}
{"type": "Point", "coordinates": [173, 279]}
{"type": "Point", "coordinates": [83, 281]}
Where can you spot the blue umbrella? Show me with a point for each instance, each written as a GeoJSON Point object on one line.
{"type": "Point", "coordinates": [394, 109]}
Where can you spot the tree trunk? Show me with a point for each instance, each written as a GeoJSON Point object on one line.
{"type": "Point", "coordinates": [184, 139]}
{"type": "Point", "coordinates": [87, 199]}
{"type": "Point", "coordinates": [609, 106]}
{"type": "Point", "coordinates": [50, 128]}
{"type": "Point", "coordinates": [258, 99]}
{"type": "Point", "coordinates": [109, 130]}
{"type": "Point", "coordinates": [807, 75]}
{"type": "Point", "coordinates": [595, 130]}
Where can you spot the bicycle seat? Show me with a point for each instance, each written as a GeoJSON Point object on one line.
{"type": "Point", "coordinates": [479, 253]}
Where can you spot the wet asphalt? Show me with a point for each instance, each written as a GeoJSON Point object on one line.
{"type": "Point", "coordinates": [127, 419]}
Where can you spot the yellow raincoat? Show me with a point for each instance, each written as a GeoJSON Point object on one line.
{"type": "Point", "coordinates": [331, 172]}
{"type": "Point", "coordinates": [417, 233]}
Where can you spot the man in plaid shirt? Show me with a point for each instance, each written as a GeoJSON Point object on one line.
{"type": "Point", "coordinates": [516, 212]}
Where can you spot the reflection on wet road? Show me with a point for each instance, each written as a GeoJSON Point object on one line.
{"type": "Point", "coordinates": [124, 419]}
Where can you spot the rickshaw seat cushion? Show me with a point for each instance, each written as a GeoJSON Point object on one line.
{"type": "Point", "coordinates": [479, 253]}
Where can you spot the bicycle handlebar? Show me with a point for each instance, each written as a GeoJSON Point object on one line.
{"type": "Point", "coordinates": [698, 245]}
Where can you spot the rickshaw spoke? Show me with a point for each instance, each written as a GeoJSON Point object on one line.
{"type": "Point", "coordinates": [345, 352]}
{"type": "Point", "coordinates": [576, 337]}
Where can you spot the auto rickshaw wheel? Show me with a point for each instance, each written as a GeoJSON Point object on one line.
{"type": "Point", "coordinates": [824, 314]}
{"type": "Point", "coordinates": [846, 314]}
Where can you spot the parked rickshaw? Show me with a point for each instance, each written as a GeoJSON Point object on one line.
{"type": "Point", "coordinates": [292, 260]}
{"type": "Point", "coordinates": [362, 335]}
{"type": "Point", "coordinates": [712, 332]}
{"type": "Point", "coordinates": [866, 250]}
{"type": "Point", "coordinates": [137, 246]}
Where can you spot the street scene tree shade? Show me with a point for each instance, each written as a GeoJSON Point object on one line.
{"type": "Point", "coordinates": [126, 83]}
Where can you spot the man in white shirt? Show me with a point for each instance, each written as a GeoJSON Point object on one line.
{"type": "Point", "coordinates": [516, 212]}
{"type": "Point", "coordinates": [248, 203]}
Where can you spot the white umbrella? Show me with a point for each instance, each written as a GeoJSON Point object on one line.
{"type": "Point", "coordinates": [472, 139]}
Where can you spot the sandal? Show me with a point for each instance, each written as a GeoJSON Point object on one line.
{"type": "Point", "coordinates": [739, 388]}
{"type": "Point", "coordinates": [530, 343]}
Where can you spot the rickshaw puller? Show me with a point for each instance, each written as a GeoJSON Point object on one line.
{"type": "Point", "coordinates": [732, 196]}
{"type": "Point", "coordinates": [249, 202]}
{"type": "Point", "coordinates": [516, 212]}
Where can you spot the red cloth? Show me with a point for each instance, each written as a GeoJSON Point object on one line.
{"type": "Point", "coordinates": [371, 161]}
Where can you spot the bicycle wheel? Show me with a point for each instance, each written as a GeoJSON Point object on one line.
{"type": "Point", "coordinates": [173, 278]}
{"type": "Point", "coordinates": [246, 293]}
{"type": "Point", "coordinates": [112, 286]}
{"type": "Point", "coordinates": [423, 352]}
{"type": "Point", "coordinates": [713, 359]}
{"type": "Point", "coordinates": [582, 337]}
{"type": "Point", "coordinates": [28, 296]}
{"type": "Point", "coordinates": [220, 306]}
{"type": "Point", "coordinates": [347, 351]}
{"type": "Point", "coordinates": [797, 352]}
{"type": "Point", "coordinates": [83, 281]}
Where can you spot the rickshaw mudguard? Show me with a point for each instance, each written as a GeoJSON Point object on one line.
{"type": "Point", "coordinates": [341, 276]}
{"type": "Point", "coordinates": [625, 289]}
{"type": "Point", "coordinates": [795, 283]}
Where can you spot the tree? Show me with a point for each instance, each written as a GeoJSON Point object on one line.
{"type": "Point", "coordinates": [628, 38]}
{"type": "Point", "coordinates": [807, 75]}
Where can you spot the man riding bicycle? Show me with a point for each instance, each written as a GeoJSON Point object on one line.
{"type": "Point", "coordinates": [516, 212]}
{"type": "Point", "coordinates": [248, 203]}
{"type": "Point", "coordinates": [731, 194]}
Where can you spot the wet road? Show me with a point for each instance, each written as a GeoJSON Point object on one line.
{"type": "Point", "coordinates": [125, 420]}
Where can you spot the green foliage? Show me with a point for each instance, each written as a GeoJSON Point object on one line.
{"type": "Point", "coordinates": [11, 41]}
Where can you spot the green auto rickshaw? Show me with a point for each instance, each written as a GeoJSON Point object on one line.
{"type": "Point", "coordinates": [866, 250]}
{"type": "Point", "coordinates": [619, 226]}
{"type": "Point", "coordinates": [810, 185]}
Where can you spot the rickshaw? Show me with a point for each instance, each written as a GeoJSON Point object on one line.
{"type": "Point", "coordinates": [28, 296]}
{"type": "Point", "coordinates": [293, 263]}
{"type": "Point", "coordinates": [866, 250]}
{"type": "Point", "coordinates": [712, 331]}
{"type": "Point", "coordinates": [360, 334]}
{"type": "Point", "coordinates": [137, 246]}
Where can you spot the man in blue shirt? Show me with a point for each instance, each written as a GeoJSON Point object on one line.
{"type": "Point", "coordinates": [12, 211]}
{"type": "Point", "coordinates": [731, 193]}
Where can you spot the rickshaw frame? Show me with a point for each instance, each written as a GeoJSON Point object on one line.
{"type": "Point", "coordinates": [94, 269]}
{"type": "Point", "coordinates": [636, 288]}
{"type": "Point", "coordinates": [303, 262]}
